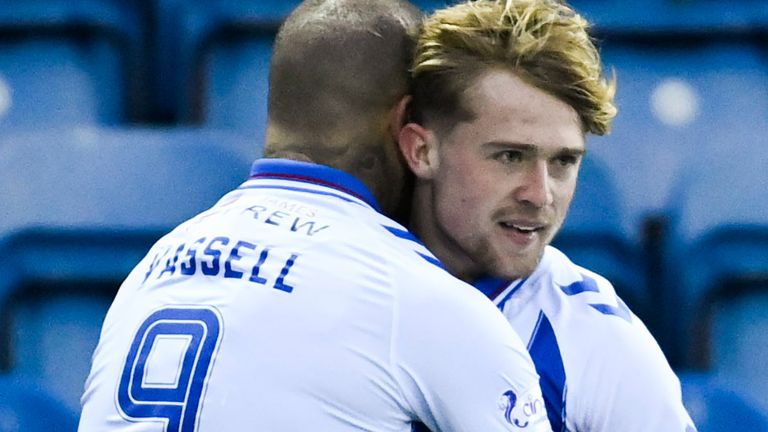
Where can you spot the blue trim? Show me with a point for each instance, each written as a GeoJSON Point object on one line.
{"type": "Point", "coordinates": [431, 260]}
{"type": "Point", "coordinates": [621, 311]}
{"type": "Point", "coordinates": [488, 285]}
{"type": "Point", "coordinates": [585, 285]}
{"type": "Point", "coordinates": [546, 356]}
{"type": "Point", "coordinates": [509, 295]}
{"type": "Point", "coordinates": [403, 234]}
{"type": "Point", "coordinates": [284, 169]}
{"type": "Point", "coordinates": [407, 235]}
{"type": "Point", "coordinates": [298, 189]}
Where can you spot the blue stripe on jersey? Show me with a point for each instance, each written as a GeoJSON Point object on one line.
{"type": "Point", "coordinates": [587, 284]}
{"type": "Point", "coordinates": [621, 311]}
{"type": "Point", "coordinates": [431, 260]}
{"type": "Point", "coordinates": [403, 234]}
{"type": "Point", "coordinates": [546, 356]}
{"type": "Point", "coordinates": [406, 235]}
{"type": "Point", "coordinates": [284, 169]}
{"type": "Point", "coordinates": [578, 287]}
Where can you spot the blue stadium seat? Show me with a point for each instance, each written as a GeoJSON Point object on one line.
{"type": "Point", "coordinates": [68, 62]}
{"type": "Point", "coordinates": [26, 408]}
{"type": "Point", "coordinates": [719, 233]}
{"type": "Point", "coordinates": [671, 16]}
{"type": "Point", "coordinates": [430, 5]}
{"type": "Point", "coordinates": [677, 100]}
{"type": "Point", "coordinates": [87, 177]}
{"type": "Point", "coordinates": [214, 58]}
{"type": "Point", "coordinates": [739, 338]}
{"type": "Point", "coordinates": [235, 93]}
{"type": "Point", "coordinates": [81, 207]}
{"type": "Point", "coordinates": [715, 406]}
{"type": "Point", "coordinates": [720, 257]}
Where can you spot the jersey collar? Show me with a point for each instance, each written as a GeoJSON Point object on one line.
{"type": "Point", "coordinates": [305, 172]}
{"type": "Point", "coordinates": [491, 286]}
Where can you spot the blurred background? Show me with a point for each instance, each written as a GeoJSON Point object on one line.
{"type": "Point", "coordinates": [121, 118]}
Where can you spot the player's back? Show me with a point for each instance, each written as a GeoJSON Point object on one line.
{"type": "Point", "coordinates": [293, 304]}
{"type": "Point", "coordinates": [252, 315]}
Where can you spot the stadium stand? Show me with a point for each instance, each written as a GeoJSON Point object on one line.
{"type": "Point", "coordinates": [715, 406]}
{"type": "Point", "coordinates": [738, 328]}
{"type": "Point", "coordinates": [673, 99]}
{"type": "Point", "coordinates": [25, 408]}
{"type": "Point", "coordinates": [674, 16]}
{"type": "Point", "coordinates": [214, 57]}
{"type": "Point", "coordinates": [80, 208]}
{"type": "Point", "coordinates": [720, 248]}
{"type": "Point", "coordinates": [679, 99]}
{"type": "Point", "coordinates": [671, 206]}
{"type": "Point", "coordinates": [69, 62]}
{"type": "Point", "coordinates": [190, 57]}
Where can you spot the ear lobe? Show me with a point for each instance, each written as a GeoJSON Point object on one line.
{"type": "Point", "coordinates": [418, 146]}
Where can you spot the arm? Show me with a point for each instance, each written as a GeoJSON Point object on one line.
{"type": "Point", "coordinates": [460, 365]}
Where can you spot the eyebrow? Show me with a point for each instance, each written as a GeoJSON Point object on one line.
{"type": "Point", "coordinates": [530, 148]}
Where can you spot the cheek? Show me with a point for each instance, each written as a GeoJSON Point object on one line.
{"type": "Point", "coordinates": [563, 195]}
{"type": "Point", "coordinates": [458, 188]}
{"type": "Point", "coordinates": [460, 206]}
{"type": "Point", "coordinates": [461, 190]}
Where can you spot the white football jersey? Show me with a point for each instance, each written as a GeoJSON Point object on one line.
{"type": "Point", "coordinates": [293, 305]}
{"type": "Point", "coordinates": [601, 370]}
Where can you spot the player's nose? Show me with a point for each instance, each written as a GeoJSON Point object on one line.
{"type": "Point", "coordinates": [535, 187]}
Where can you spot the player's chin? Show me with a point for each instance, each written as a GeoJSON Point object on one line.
{"type": "Point", "coordinates": [517, 265]}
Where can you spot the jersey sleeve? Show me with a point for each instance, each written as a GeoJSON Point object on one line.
{"type": "Point", "coordinates": [460, 366]}
{"type": "Point", "coordinates": [631, 387]}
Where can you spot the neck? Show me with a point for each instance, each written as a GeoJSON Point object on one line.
{"type": "Point", "coordinates": [372, 157]}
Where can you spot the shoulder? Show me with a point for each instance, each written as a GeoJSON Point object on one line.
{"type": "Point", "coordinates": [615, 371]}
{"type": "Point", "coordinates": [618, 377]}
{"type": "Point", "coordinates": [412, 263]}
{"type": "Point", "coordinates": [595, 328]}
{"type": "Point", "coordinates": [582, 292]}
{"type": "Point", "coordinates": [588, 312]}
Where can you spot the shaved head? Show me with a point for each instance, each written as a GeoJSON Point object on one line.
{"type": "Point", "coordinates": [338, 70]}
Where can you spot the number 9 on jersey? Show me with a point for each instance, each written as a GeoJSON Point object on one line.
{"type": "Point", "coordinates": [167, 367]}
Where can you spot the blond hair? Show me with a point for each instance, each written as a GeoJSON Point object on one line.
{"type": "Point", "coordinates": [544, 42]}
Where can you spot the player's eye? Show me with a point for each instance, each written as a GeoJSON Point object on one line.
{"type": "Point", "coordinates": [567, 160]}
{"type": "Point", "coordinates": [509, 156]}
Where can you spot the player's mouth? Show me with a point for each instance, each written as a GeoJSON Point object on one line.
{"type": "Point", "coordinates": [522, 233]}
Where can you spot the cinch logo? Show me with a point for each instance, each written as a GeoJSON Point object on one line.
{"type": "Point", "coordinates": [520, 417]}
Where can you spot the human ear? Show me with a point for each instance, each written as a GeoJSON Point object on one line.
{"type": "Point", "coordinates": [419, 148]}
{"type": "Point", "coordinates": [399, 116]}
